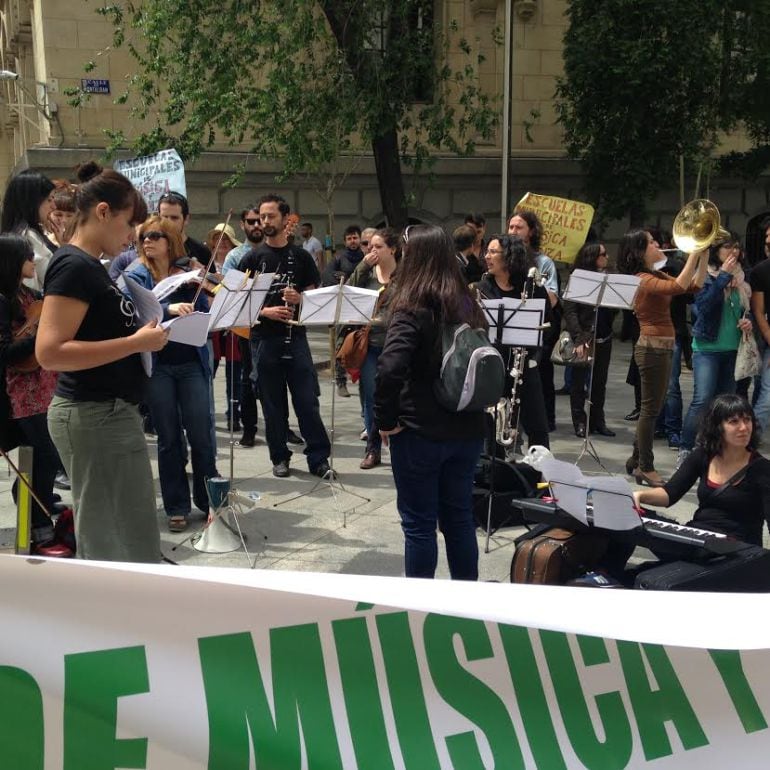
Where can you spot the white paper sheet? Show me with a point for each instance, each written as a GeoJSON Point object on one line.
{"type": "Point", "coordinates": [319, 306]}
{"type": "Point", "coordinates": [239, 300]}
{"type": "Point", "coordinates": [587, 287]}
{"type": "Point", "coordinates": [146, 303]}
{"type": "Point", "coordinates": [520, 324]}
{"type": "Point", "coordinates": [611, 496]}
{"type": "Point", "coordinates": [169, 285]}
{"type": "Point", "coordinates": [613, 502]}
{"type": "Point", "coordinates": [190, 329]}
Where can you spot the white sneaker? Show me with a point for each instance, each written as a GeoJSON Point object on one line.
{"type": "Point", "coordinates": [680, 458]}
{"type": "Point", "coordinates": [364, 436]}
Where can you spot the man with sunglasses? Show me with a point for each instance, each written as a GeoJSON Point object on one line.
{"type": "Point", "coordinates": [252, 229]}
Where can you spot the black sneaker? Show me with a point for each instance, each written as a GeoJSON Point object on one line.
{"type": "Point", "coordinates": [323, 471]}
{"type": "Point", "coordinates": [294, 438]}
{"type": "Point", "coordinates": [281, 469]}
{"type": "Point", "coordinates": [247, 439]}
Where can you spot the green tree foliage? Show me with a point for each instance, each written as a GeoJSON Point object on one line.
{"type": "Point", "coordinates": [303, 82]}
{"type": "Point", "coordinates": [641, 89]}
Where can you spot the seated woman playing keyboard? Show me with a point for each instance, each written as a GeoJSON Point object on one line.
{"type": "Point", "coordinates": [733, 478]}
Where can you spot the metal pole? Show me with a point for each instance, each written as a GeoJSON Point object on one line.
{"type": "Point", "coordinates": [506, 154]}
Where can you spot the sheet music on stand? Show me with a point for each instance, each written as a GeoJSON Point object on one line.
{"type": "Point", "coordinates": [239, 300]}
{"type": "Point", "coordinates": [610, 290]}
{"type": "Point", "coordinates": [515, 322]}
{"type": "Point", "coordinates": [610, 497]}
{"type": "Point", "coordinates": [330, 305]}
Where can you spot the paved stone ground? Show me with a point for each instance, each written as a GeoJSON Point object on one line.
{"type": "Point", "coordinates": [358, 536]}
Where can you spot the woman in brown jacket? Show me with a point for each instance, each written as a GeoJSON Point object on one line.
{"type": "Point", "coordinates": [637, 255]}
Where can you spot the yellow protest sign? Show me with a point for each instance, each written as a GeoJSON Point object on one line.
{"type": "Point", "coordinates": [565, 224]}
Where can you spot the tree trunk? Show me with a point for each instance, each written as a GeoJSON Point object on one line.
{"type": "Point", "coordinates": [387, 161]}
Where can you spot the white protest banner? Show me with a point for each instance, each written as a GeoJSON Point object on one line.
{"type": "Point", "coordinates": [565, 224]}
{"type": "Point", "coordinates": [154, 175]}
{"type": "Point", "coordinates": [171, 668]}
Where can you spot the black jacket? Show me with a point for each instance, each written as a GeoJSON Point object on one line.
{"type": "Point", "coordinates": [342, 266]}
{"type": "Point", "coordinates": [406, 371]}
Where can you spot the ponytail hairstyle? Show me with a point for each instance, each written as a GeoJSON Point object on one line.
{"type": "Point", "coordinates": [99, 185]}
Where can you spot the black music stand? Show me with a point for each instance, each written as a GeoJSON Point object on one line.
{"type": "Point", "coordinates": [515, 323]}
{"type": "Point", "coordinates": [335, 306]}
{"type": "Point", "coordinates": [237, 304]}
{"type": "Point", "coordinates": [589, 287]}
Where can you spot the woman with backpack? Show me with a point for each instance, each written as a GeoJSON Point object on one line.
{"type": "Point", "coordinates": [433, 450]}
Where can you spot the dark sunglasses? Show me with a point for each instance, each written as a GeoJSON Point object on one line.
{"type": "Point", "coordinates": [172, 197]}
{"type": "Point", "coordinates": [251, 222]}
{"type": "Point", "coordinates": [152, 235]}
{"type": "Point", "coordinates": [364, 243]}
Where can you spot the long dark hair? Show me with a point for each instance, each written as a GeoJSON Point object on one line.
{"type": "Point", "coordinates": [14, 252]}
{"type": "Point", "coordinates": [21, 203]}
{"type": "Point", "coordinates": [100, 185]}
{"type": "Point", "coordinates": [392, 240]}
{"type": "Point", "coordinates": [631, 252]}
{"type": "Point", "coordinates": [429, 278]}
{"type": "Point", "coordinates": [587, 257]}
{"type": "Point", "coordinates": [534, 225]}
{"type": "Point", "coordinates": [723, 407]}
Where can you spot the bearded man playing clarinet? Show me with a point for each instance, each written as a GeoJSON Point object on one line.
{"type": "Point", "coordinates": [280, 352]}
{"type": "Point", "coordinates": [511, 272]}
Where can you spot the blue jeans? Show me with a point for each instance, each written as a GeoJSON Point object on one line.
{"type": "Point", "coordinates": [178, 396]}
{"type": "Point", "coordinates": [366, 386]}
{"type": "Point", "coordinates": [434, 482]}
{"type": "Point", "coordinates": [713, 373]}
{"type": "Point", "coordinates": [274, 374]}
{"type": "Point", "coordinates": [670, 418]}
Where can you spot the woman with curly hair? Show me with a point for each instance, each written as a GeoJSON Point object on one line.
{"type": "Point", "coordinates": [733, 478]}
{"type": "Point", "coordinates": [508, 265]}
{"type": "Point", "coordinates": [637, 255]}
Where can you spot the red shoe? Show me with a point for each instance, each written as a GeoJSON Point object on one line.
{"type": "Point", "coordinates": [53, 550]}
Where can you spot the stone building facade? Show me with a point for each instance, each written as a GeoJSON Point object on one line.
{"type": "Point", "coordinates": [48, 42]}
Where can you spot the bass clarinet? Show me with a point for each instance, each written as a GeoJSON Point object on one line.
{"type": "Point", "coordinates": [507, 410]}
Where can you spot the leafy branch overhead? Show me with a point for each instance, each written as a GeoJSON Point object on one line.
{"type": "Point", "coordinates": [301, 81]}
{"type": "Point", "coordinates": [649, 81]}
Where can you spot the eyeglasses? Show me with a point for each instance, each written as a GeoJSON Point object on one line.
{"type": "Point", "coordinates": [152, 235]}
{"type": "Point", "coordinates": [251, 222]}
{"type": "Point", "coordinates": [495, 251]}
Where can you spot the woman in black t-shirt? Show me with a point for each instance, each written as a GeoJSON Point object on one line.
{"type": "Point", "coordinates": [733, 478]}
{"type": "Point", "coordinates": [88, 333]}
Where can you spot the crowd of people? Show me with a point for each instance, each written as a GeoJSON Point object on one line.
{"type": "Point", "coordinates": [78, 392]}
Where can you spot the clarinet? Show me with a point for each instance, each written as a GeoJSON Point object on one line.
{"type": "Point", "coordinates": [289, 281]}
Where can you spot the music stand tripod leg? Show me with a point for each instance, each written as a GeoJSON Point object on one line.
{"type": "Point", "coordinates": [588, 448]}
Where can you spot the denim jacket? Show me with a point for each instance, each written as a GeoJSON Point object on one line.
{"type": "Point", "coordinates": [143, 277]}
{"type": "Point", "coordinates": [707, 310]}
